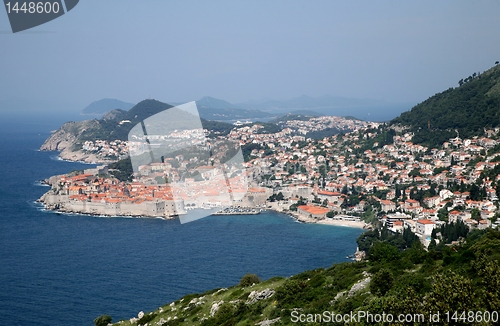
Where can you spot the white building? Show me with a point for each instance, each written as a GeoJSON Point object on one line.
{"type": "Point", "coordinates": [425, 227]}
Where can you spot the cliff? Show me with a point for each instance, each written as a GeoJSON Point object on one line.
{"type": "Point", "coordinates": [66, 136]}
{"type": "Point", "coordinates": [67, 140]}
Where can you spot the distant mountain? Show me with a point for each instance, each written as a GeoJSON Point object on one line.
{"type": "Point", "coordinates": [213, 103]}
{"type": "Point", "coordinates": [306, 112]}
{"type": "Point", "coordinates": [106, 105]}
{"type": "Point", "coordinates": [215, 109]}
{"type": "Point", "coordinates": [116, 124]}
{"type": "Point", "coordinates": [463, 111]}
{"type": "Point", "coordinates": [291, 116]}
{"type": "Point", "coordinates": [232, 114]}
{"type": "Point", "coordinates": [307, 102]}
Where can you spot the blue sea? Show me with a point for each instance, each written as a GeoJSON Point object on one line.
{"type": "Point", "coordinates": [60, 269]}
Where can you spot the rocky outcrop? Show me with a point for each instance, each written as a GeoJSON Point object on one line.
{"type": "Point", "coordinates": [359, 255]}
{"type": "Point", "coordinates": [80, 156]}
{"type": "Point", "coordinates": [362, 284]}
{"type": "Point", "coordinates": [215, 307]}
{"type": "Point", "coordinates": [268, 322]}
{"type": "Point", "coordinates": [66, 136]}
{"type": "Point", "coordinates": [255, 296]}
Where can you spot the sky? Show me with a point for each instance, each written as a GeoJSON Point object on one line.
{"type": "Point", "coordinates": [396, 51]}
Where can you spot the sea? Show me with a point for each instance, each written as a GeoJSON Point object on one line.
{"type": "Point", "coordinates": [59, 269]}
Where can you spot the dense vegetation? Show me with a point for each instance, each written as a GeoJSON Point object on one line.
{"type": "Point", "coordinates": [267, 128]}
{"type": "Point", "coordinates": [122, 170]}
{"type": "Point", "coordinates": [217, 127]}
{"type": "Point", "coordinates": [231, 113]}
{"type": "Point", "coordinates": [465, 110]}
{"type": "Point", "coordinates": [292, 116]}
{"type": "Point", "coordinates": [111, 129]}
{"type": "Point", "coordinates": [392, 280]}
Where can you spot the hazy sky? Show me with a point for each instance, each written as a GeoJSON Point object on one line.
{"type": "Point", "coordinates": [398, 51]}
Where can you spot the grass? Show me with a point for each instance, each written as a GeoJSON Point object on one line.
{"type": "Point", "coordinates": [187, 311]}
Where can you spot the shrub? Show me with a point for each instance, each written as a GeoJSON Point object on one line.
{"type": "Point", "coordinates": [102, 320]}
{"type": "Point", "coordinates": [382, 251]}
{"type": "Point", "coordinates": [249, 279]}
{"type": "Point", "coordinates": [290, 292]}
{"type": "Point", "coordinates": [381, 282]}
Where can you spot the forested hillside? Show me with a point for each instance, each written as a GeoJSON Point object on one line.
{"type": "Point", "coordinates": [465, 110]}
{"type": "Point", "coordinates": [463, 278]}
{"type": "Point", "coordinates": [112, 129]}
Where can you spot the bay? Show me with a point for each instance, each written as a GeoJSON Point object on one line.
{"type": "Point", "coordinates": [58, 269]}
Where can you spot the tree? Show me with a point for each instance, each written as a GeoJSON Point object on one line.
{"type": "Point", "coordinates": [398, 191]}
{"type": "Point", "coordinates": [490, 277]}
{"type": "Point", "coordinates": [432, 245]}
{"type": "Point", "coordinates": [451, 292]}
{"type": "Point", "coordinates": [382, 251]}
{"type": "Point", "coordinates": [365, 240]}
{"type": "Point", "coordinates": [475, 214]}
{"type": "Point", "coordinates": [249, 279]}
{"type": "Point", "coordinates": [102, 320]}
{"type": "Point", "coordinates": [381, 282]}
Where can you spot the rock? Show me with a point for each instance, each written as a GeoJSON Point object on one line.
{"type": "Point", "coordinates": [67, 135]}
{"type": "Point", "coordinates": [359, 255]}
{"type": "Point", "coordinates": [255, 296]}
{"type": "Point", "coordinates": [140, 314]}
{"type": "Point", "coordinates": [360, 285]}
{"type": "Point", "coordinates": [268, 322]}
{"type": "Point", "coordinates": [197, 301]}
{"type": "Point", "coordinates": [219, 291]}
{"type": "Point", "coordinates": [215, 307]}
{"type": "Point", "coordinates": [337, 296]}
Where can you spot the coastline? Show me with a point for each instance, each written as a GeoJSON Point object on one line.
{"type": "Point", "coordinates": [79, 156]}
{"type": "Point", "coordinates": [325, 221]}
{"type": "Point", "coordinates": [297, 217]}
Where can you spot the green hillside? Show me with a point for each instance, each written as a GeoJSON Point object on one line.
{"type": "Point", "coordinates": [466, 109]}
{"type": "Point", "coordinates": [462, 278]}
{"type": "Point", "coordinates": [111, 129]}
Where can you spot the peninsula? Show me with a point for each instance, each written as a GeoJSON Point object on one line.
{"type": "Point", "coordinates": [399, 174]}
